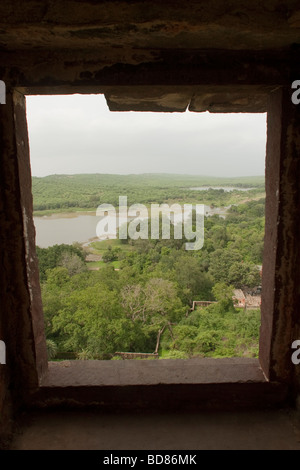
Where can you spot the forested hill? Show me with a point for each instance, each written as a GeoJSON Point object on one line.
{"type": "Point", "coordinates": [87, 191]}
{"type": "Point", "coordinates": [137, 295]}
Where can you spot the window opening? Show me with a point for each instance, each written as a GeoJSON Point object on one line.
{"type": "Point", "coordinates": [125, 298]}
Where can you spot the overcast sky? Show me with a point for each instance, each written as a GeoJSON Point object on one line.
{"type": "Point", "coordinates": [78, 134]}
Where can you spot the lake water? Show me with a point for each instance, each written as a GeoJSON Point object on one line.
{"type": "Point", "coordinates": [78, 227]}
{"type": "Point", "coordinates": [227, 189]}
{"type": "Point", "coordinates": [65, 228]}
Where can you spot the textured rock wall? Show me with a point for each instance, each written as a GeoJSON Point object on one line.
{"type": "Point", "coordinates": [161, 56]}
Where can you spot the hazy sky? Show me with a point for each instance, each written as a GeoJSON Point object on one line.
{"type": "Point", "coordinates": [78, 134]}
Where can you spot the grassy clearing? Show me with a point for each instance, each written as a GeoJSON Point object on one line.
{"type": "Point", "coordinates": [99, 247]}
{"type": "Point", "coordinates": [95, 264]}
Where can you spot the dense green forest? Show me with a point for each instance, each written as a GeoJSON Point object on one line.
{"type": "Point", "coordinates": [73, 192]}
{"type": "Point", "coordinates": [138, 295]}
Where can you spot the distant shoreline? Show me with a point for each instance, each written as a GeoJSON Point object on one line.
{"type": "Point", "coordinates": [83, 193]}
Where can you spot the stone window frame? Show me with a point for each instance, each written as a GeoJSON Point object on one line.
{"type": "Point", "coordinates": [273, 366]}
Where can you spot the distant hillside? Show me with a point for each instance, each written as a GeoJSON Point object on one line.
{"type": "Point", "coordinates": [87, 191]}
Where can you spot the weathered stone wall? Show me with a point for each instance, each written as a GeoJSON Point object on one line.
{"type": "Point", "coordinates": [139, 25]}
{"type": "Point", "coordinates": [19, 282]}
{"type": "Point", "coordinates": [281, 297]}
{"type": "Point", "coordinates": [162, 56]}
